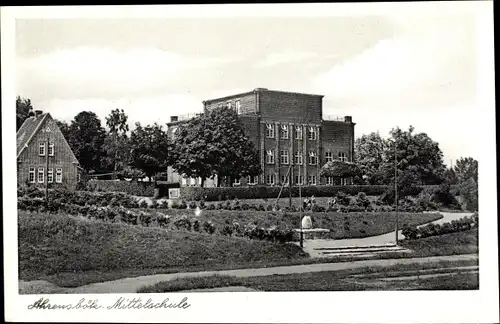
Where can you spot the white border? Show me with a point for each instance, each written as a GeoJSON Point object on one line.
{"type": "Point", "coordinates": [343, 307]}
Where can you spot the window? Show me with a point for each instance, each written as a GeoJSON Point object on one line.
{"type": "Point", "coordinates": [229, 105]}
{"type": "Point", "coordinates": [174, 133]}
{"type": "Point", "coordinates": [298, 132]}
{"type": "Point", "coordinates": [298, 158]}
{"type": "Point", "coordinates": [269, 130]}
{"type": "Point", "coordinates": [41, 149]}
{"type": "Point", "coordinates": [41, 173]}
{"type": "Point", "coordinates": [50, 175]}
{"type": "Point", "coordinates": [329, 157]}
{"type": "Point", "coordinates": [252, 180]}
{"type": "Point", "coordinates": [284, 157]}
{"type": "Point", "coordinates": [58, 175]}
{"type": "Point", "coordinates": [31, 177]}
{"type": "Point", "coordinates": [329, 180]}
{"type": "Point", "coordinates": [270, 179]}
{"type": "Point", "coordinates": [312, 133]}
{"type": "Point", "coordinates": [299, 180]}
{"type": "Point", "coordinates": [284, 131]}
{"type": "Point", "coordinates": [270, 157]}
{"type": "Point", "coordinates": [184, 181]}
{"type": "Point", "coordinates": [312, 180]}
{"type": "Point", "coordinates": [236, 182]}
{"type": "Point", "coordinates": [312, 158]}
{"type": "Point", "coordinates": [51, 149]}
{"type": "Point", "coordinates": [238, 107]}
{"type": "Point", "coordinates": [342, 156]}
{"type": "Point", "coordinates": [284, 180]}
{"type": "Point", "coordinates": [221, 105]}
{"type": "Point", "coordinates": [343, 182]}
{"type": "Point", "coordinates": [192, 181]}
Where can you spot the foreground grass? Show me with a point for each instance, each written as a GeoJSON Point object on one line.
{"type": "Point", "coordinates": [69, 251]}
{"type": "Point", "coordinates": [367, 278]}
{"type": "Point", "coordinates": [72, 252]}
{"type": "Point", "coordinates": [465, 242]}
{"type": "Point", "coordinates": [341, 225]}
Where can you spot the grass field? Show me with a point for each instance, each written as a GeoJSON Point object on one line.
{"type": "Point", "coordinates": [341, 225]}
{"type": "Point", "coordinates": [436, 275]}
{"type": "Point", "coordinates": [69, 251]}
{"type": "Point", "coordinates": [465, 242]}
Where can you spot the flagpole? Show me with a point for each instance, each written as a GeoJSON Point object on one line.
{"type": "Point", "coordinates": [396, 188]}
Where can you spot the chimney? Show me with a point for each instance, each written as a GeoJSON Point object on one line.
{"type": "Point", "coordinates": [38, 113]}
{"type": "Point", "coordinates": [348, 119]}
{"type": "Point", "coordinates": [174, 118]}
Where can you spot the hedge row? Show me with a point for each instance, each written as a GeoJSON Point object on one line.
{"type": "Point", "coordinates": [136, 188]}
{"type": "Point", "coordinates": [259, 192]}
{"type": "Point", "coordinates": [154, 219]}
{"type": "Point", "coordinates": [463, 224]}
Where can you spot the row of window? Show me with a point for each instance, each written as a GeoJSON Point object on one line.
{"type": "Point", "coordinates": [270, 180]}
{"type": "Point", "coordinates": [313, 158]}
{"type": "Point", "coordinates": [40, 176]}
{"type": "Point", "coordinates": [284, 132]}
{"type": "Point", "coordinates": [229, 105]}
{"type": "Point", "coordinates": [41, 149]}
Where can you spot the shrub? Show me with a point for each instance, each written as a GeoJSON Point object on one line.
{"type": "Point", "coordinates": [192, 205]}
{"type": "Point", "coordinates": [162, 220]}
{"type": "Point", "coordinates": [245, 206]}
{"type": "Point", "coordinates": [183, 223]}
{"type": "Point", "coordinates": [143, 204]}
{"type": "Point", "coordinates": [210, 206]}
{"type": "Point", "coordinates": [227, 229]}
{"type": "Point", "coordinates": [196, 225]}
{"type": "Point", "coordinates": [269, 207]}
{"type": "Point", "coordinates": [145, 218]}
{"type": "Point", "coordinates": [208, 227]}
{"type": "Point", "coordinates": [261, 208]}
{"type": "Point", "coordinates": [264, 192]}
{"type": "Point", "coordinates": [136, 188]}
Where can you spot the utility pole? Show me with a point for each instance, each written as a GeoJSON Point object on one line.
{"type": "Point", "coordinates": [396, 187]}
{"type": "Point", "coordinates": [300, 211]}
{"type": "Point", "coordinates": [47, 172]}
{"type": "Point", "coordinates": [290, 177]}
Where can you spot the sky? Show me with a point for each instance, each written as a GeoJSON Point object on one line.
{"type": "Point", "coordinates": [384, 70]}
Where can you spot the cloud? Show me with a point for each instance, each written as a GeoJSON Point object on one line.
{"type": "Point", "coordinates": [101, 72]}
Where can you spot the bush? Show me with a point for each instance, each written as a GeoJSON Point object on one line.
{"type": "Point", "coordinates": [196, 225]}
{"type": "Point", "coordinates": [208, 227]}
{"type": "Point", "coordinates": [210, 207]}
{"type": "Point", "coordinates": [462, 224]}
{"type": "Point", "coordinates": [136, 188]}
{"type": "Point", "coordinates": [264, 192]}
{"type": "Point", "coordinates": [227, 229]}
{"type": "Point", "coordinates": [192, 205]}
{"type": "Point", "coordinates": [162, 220]}
{"type": "Point", "coordinates": [183, 223]}
{"type": "Point", "coordinates": [143, 204]}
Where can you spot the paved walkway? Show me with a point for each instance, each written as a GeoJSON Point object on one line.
{"type": "Point", "coordinates": [131, 285]}
{"type": "Point", "coordinates": [384, 239]}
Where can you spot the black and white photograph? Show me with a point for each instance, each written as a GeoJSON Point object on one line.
{"type": "Point", "coordinates": [173, 160]}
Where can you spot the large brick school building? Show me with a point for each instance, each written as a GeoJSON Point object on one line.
{"type": "Point", "coordinates": [288, 129]}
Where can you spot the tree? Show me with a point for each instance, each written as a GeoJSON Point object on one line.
{"type": "Point", "coordinates": [466, 168]}
{"type": "Point", "coordinates": [340, 169]}
{"type": "Point", "coordinates": [369, 153]}
{"type": "Point", "coordinates": [149, 149]}
{"type": "Point", "coordinates": [450, 176]}
{"type": "Point", "coordinates": [418, 157]}
{"type": "Point", "coordinates": [86, 138]}
{"type": "Point", "coordinates": [64, 127]}
{"type": "Point", "coordinates": [215, 144]}
{"type": "Point", "coordinates": [23, 109]}
{"type": "Point", "coordinates": [116, 144]}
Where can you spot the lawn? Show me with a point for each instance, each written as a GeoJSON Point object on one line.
{"type": "Point", "coordinates": [465, 242]}
{"type": "Point", "coordinates": [341, 225]}
{"type": "Point", "coordinates": [368, 278]}
{"type": "Point", "coordinates": [71, 251]}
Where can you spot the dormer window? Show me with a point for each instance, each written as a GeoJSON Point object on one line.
{"type": "Point", "coordinates": [238, 107]}
{"type": "Point", "coordinates": [229, 105]}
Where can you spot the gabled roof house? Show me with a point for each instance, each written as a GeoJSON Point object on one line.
{"type": "Point", "coordinates": [43, 154]}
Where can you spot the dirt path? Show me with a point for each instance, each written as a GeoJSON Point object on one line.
{"type": "Point", "coordinates": [131, 285]}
